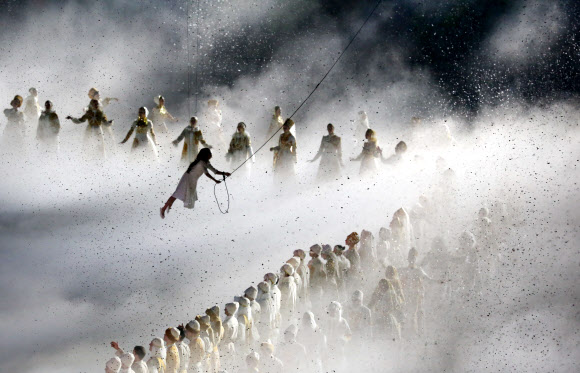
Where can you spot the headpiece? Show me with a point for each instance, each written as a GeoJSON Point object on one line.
{"type": "Point", "coordinates": [232, 308]}
{"type": "Point", "coordinates": [264, 287]}
{"type": "Point", "coordinates": [300, 253]}
{"type": "Point", "coordinates": [315, 249]}
{"type": "Point", "coordinates": [172, 334]}
{"type": "Point", "coordinates": [213, 311]}
{"type": "Point", "coordinates": [193, 326]}
{"type": "Point", "coordinates": [158, 98]}
{"type": "Point", "coordinates": [287, 269]}
{"type": "Point", "coordinates": [251, 292]}
{"type": "Point", "coordinates": [213, 102]}
{"type": "Point", "coordinates": [352, 239]}
{"type": "Point", "coordinates": [19, 99]}
{"type": "Point", "coordinates": [92, 92]}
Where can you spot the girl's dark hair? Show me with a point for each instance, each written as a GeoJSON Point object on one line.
{"type": "Point", "coordinates": [203, 155]}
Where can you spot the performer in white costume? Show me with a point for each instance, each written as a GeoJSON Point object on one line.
{"type": "Point", "coordinates": [267, 310]}
{"type": "Point", "coordinates": [252, 293]}
{"type": "Point", "coordinates": [287, 287]}
{"type": "Point", "coordinates": [268, 362]}
{"type": "Point", "coordinates": [369, 153]}
{"type": "Point", "coordinates": [160, 115]}
{"type": "Point", "coordinates": [213, 122]}
{"type": "Point", "coordinates": [94, 140]}
{"type": "Point", "coordinates": [292, 353]}
{"type": "Point", "coordinates": [330, 154]}
{"type": "Point", "coordinates": [138, 365]}
{"type": "Point", "coordinates": [48, 130]}
{"type": "Point", "coordinates": [187, 188]}
{"type": "Point", "coordinates": [31, 106]}
{"type": "Point", "coordinates": [272, 279]}
{"type": "Point", "coordinates": [361, 127]}
{"type": "Point", "coordinates": [15, 130]}
{"type": "Point", "coordinates": [228, 350]}
{"type": "Point", "coordinates": [144, 142]}
{"type": "Point", "coordinates": [192, 139]}
{"type": "Point", "coordinates": [312, 338]}
{"type": "Point", "coordinates": [196, 347]}
{"type": "Point", "coordinates": [275, 123]}
{"type": "Point", "coordinates": [108, 135]}
{"type": "Point", "coordinates": [113, 365]}
{"type": "Point", "coordinates": [158, 353]}
{"type": "Point", "coordinates": [184, 351]}
{"type": "Point", "coordinates": [241, 148]}
{"type": "Point", "coordinates": [171, 337]}
{"type": "Point", "coordinates": [285, 154]}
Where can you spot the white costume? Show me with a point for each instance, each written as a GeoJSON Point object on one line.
{"type": "Point", "coordinates": [113, 365]}
{"type": "Point", "coordinates": [313, 339]}
{"type": "Point", "coordinates": [287, 287]}
{"type": "Point", "coordinates": [246, 336]}
{"type": "Point", "coordinates": [267, 310]}
{"type": "Point", "coordinates": [192, 139]}
{"type": "Point", "coordinates": [172, 359]}
{"type": "Point", "coordinates": [127, 360]}
{"type": "Point", "coordinates": [230, 323]}
{"type": "Point", "coordinates": [240, 149]}
{"type": "Point", "coordinates": [47, 131]}
{"type": "Point", "coordinates": [184, 356]}
{"type": "Point", "coordinates": [337, 330]}
{"type": "Point", "coordinates": [361, 127]}
{"type": "Point", "coordinates": [196, 347]}
{"type": "Point", "coordinates": [144, 141]}
{"type": "Point", "coordinates": [268, 362]}
{"type": "Point", "coordinates": [276, 296]}
{"type": "Point", "coordinates": [330, 154]}
{"type": "Point", "coordinates": [156, 363]}
{"type": "Point", "coordinates": [252, 293]}
{"type": "Point", "coordinates": [136, 366]}
{"type": "Point", "coordinates": [15, 130]}
{"type": "Point", "coordinates": [292, 353]}
{"type": "Point", "coordinates": [31, 107]}
{"type": "Point", "coordinates": [187, 188]}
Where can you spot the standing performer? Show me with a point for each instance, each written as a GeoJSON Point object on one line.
{"type": "Point", "coordinates": [362, 125]}
{"type": "Point", "coordinates": [142, 142]}
{"type": "Point", "coordinates": [187, 188]}
{"type": "Point", "coordinates": [240, 147]}
{"type": "Point", "coordinates": [396, 158]}
{"type": "Point", "coordinates": [369, 154]}
{"type": "Point", "coordinates": [14, 132]}
{"type": "Point", "coordinates": [94, 94]}
{"type": "Point", "coordinates": [213, 120]}
{"type": "Point", "coordinates": [48, 129]}
{"type": "Point", "coordinates": [108, 135]}
{"type": "Point", "coordinates": [285, 153]}
{"type": "Point", "coordinates": [275, 122]}
{"type": "Point", "coordinates": [192, 137]}
{"type": "Point", "coordinates": [94, 138]}
{"type": "Point", "coordinates": [31, 106]}
{"type": "Point", "coordinates": [160, 115]}
{"type": "Point", "coordinates": [330, 152]}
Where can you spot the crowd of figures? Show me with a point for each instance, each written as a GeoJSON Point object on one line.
{"type": "Point", "coordinates": [205, 132]}
{"type": "Point", "coordinates": [325, 305]}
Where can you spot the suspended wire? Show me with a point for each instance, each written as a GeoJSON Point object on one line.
{"type": "Point", "coordinates": [188, 68]}
{"type": "Point", "coordinates": [317, 85]}
{"type": "Point", "coordinates": [197, 56]}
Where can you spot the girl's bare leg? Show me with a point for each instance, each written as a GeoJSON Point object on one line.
{"type": "Point", "coordinates": [167, 206]}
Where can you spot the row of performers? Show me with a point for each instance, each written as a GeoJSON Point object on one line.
{"type": "Point", "coordinates": [240, 147]}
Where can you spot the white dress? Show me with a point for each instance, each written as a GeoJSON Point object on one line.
{"type": "Point", "coordinates": [144, 139]}
{"type": "Point", "coordinates": [31, 108]}
{"type": "Point", "coordinates": [187, 188]}
{"type": "Point", "coordinates": [14, 132]}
